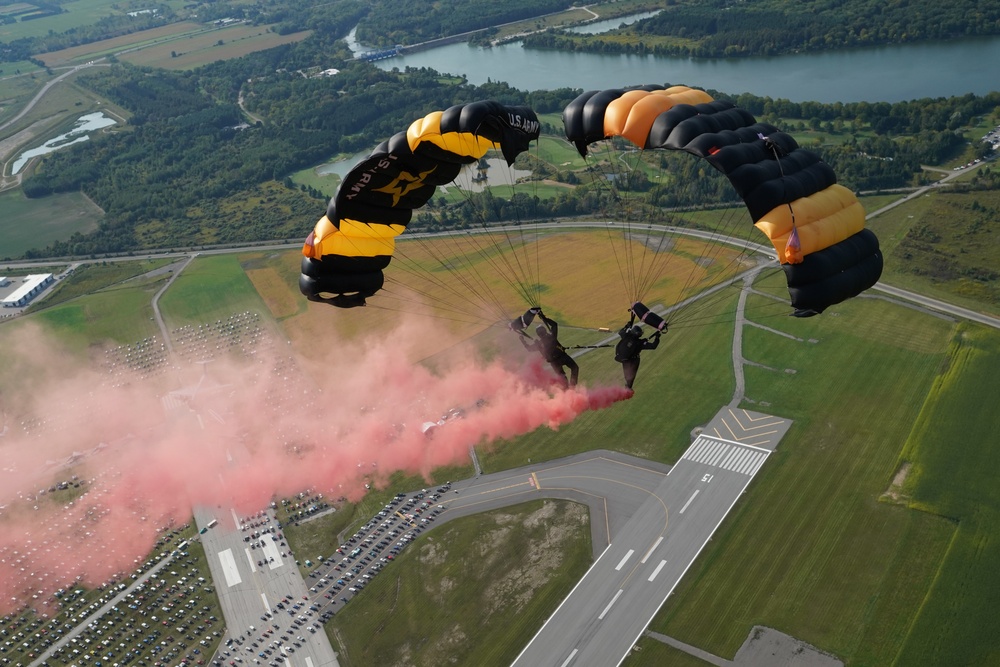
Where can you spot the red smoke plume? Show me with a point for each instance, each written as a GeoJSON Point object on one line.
{"type": "Point", "coordinates": [138, 457]}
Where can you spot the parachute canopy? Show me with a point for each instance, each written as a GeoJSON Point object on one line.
{"type": "Point", "coordinates": [815, 224]}
{"type": "Point", "coordinates": [349, 247]}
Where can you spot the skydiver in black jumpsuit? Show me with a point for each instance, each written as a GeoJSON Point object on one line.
{"type": "Point", "coordinates": [629, 348]}
{"type": "Point", "coordinates": [548, 346]}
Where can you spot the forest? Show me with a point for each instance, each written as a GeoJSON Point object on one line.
{"type": "Point", "coordinates": [728, 28]}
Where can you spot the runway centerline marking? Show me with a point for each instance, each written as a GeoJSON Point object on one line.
{"type": "Point", "coordinates": [608, 608]}
{"type": "Point", "coordinates": [572, 655]}
{"type": "Point", "coordinates": [657, 570]}
{"type": "Point", "coordinates": [697, 491]}
{"type": "Point", "coordinates": [652, 548]}
{"type": "Point", "coordinates": [622, 562]}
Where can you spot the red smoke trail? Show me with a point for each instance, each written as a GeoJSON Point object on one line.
{"type": "Point", "coordinates": [238, 436]}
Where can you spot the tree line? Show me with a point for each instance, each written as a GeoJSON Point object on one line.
{"type": "Point", "coordinates": [727, 28]}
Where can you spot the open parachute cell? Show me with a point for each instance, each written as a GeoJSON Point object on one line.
{"type": "Point", "coordinates": [817, 227]}
{"type": "Point", "coordinates": [345, 254]}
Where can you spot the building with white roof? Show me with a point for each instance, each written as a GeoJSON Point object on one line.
{"type": "Point", "coordinates": [31, 287]}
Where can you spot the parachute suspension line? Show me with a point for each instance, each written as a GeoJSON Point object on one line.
{"type": "Point", "coordinates": [732, 220]}
{"type": "Point", "coordinates": [477, 290]}
{"type": "Point", "coordinates": [525, 275]}
{"type": "Point", "coordinates": [388, 294]}
{"type": "Point", "coordinates": [606, 192]}
{"type": "Point", "coordinates": [792, 246]}
{"type": "Point", "coordinates": [519, 274]}
{"type": "Point", "coordinates": [715, 246]}
{"type": "Point", "coordinates": [417, 274]}
{"type": "Point", "coordinates": [470, 295]}
{"type": "Point", "coordinates": [465, 272]}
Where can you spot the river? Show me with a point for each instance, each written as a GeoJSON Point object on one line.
{"type": "Point", "coordinates": [877, 74]}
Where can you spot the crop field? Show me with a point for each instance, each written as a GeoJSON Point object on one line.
{"type": "Point", "coordinates": [201, 48]}
{"type": "Point", "coordinates": [144, 38]}
{"type": "Point", "coordinates": [77, 13]}
{"type": "Point", "coordinates": [815, 548]}
{"type": "Point", "coordinates": [35, 223]}
{"type": "Point", "coordinates": [954, 470]}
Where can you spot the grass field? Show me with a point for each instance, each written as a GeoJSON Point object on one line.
{"type": "Point", "coordinates": [35, 223]}
{"type": "Point", "coordinates": [938, 245]}
{"type": "Point", "coordinates": [953, 474]}
{"type": "Point", "coordinates": [469, 592]}
{"type": "Point", "coordinates": [97, 317]}
{"type": "Point", "coordinates": [809, 550]}
{"type": "Point", "coordinates": [77, 13]}
{"type": "Point", "coordinates": [209, 289]}
{"type": "Point", "coordinates": [801, 567]}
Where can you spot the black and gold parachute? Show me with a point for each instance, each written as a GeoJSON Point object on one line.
{"type": "Point", "coordinates": [816, 226]}
{"type": "Point", "coordinates": [350, 246]}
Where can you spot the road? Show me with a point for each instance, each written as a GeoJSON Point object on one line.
{"type": "Point", "coordinates": [41, 93]}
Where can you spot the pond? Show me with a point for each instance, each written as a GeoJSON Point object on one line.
{"type": "Point", "coordinates": [80, 132]}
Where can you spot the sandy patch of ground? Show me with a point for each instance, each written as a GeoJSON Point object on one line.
{"type": "Point", "coordinates": [895, 493]}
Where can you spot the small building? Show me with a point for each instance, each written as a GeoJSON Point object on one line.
{"type": "Point", "coordinates": [31, 287]}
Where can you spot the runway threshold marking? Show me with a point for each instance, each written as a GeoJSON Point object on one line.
{"type": "Point", "coordinates": [250, 560]}
{"type": "Point", "coordinates": [657, 570]}
{"type": "Point", "coordinates": [652, 548]}
{"type": "Point", "coordinates": [624, 560]}
{"type": "Point", "coordinates": [572, 654]}
{"type": "Point", "coordinates": [697, 491]}
{"type": "Point", "coordinates": [608, 608]}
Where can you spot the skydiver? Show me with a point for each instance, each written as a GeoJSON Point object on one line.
{"type": "Point", "coordinates": [630, 346]}
{"type": "Point", "coordinates": [548, 346]}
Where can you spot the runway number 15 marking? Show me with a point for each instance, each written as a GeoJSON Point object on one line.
{"type": "Point", "coordinates": [707, 478]}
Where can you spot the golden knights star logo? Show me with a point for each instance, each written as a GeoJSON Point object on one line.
{"type": "Point", "coordinates": [404, 184]}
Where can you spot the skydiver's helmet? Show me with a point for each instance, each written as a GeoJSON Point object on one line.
{"type": "Point", "coordinates": [636, 331]}
{"type": "Point", "coordinates": [541, 330]}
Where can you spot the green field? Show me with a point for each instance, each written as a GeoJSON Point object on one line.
{"type": "Point", "coordinates": [813, 549]}
{"type": "Point", "coordinates": [210, 288]}
{"type": "Point", "coordinates": [76, 13]}
{"type": "Point", "coordinates": [35, 223]}
{"type": "Point", "coordinates": [470, 591]}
